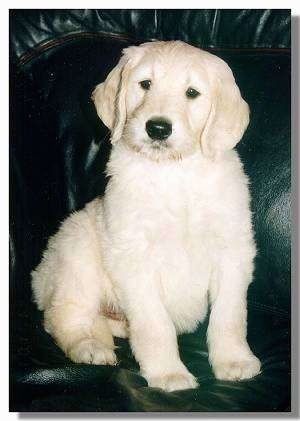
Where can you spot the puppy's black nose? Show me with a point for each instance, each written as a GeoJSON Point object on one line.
{"type": "Point", "coordinates": [158, 128]}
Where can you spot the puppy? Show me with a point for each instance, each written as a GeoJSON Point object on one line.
{"type": "Point", "coordinates": [173, 232]}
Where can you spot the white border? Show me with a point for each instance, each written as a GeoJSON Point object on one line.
{"type": "Point", "coordinates": [159, 4]}
{"type": "Point", "coordinates": [4, 182]}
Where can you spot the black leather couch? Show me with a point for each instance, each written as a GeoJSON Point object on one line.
{"type": "Point", "coordinates": [58, 152]}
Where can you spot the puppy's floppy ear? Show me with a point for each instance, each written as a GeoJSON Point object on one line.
{"type": "Point", "coordinates": [110, 96]}
{"type": "Point", "coordinates": [229, 114]}
{"type": "Point", "coordinates": [104, 96]}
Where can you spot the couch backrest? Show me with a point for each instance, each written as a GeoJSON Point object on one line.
{"type": "Point", "coordinates": [205, 28]}
{"type": "Point", "coordinates": [59, 147]}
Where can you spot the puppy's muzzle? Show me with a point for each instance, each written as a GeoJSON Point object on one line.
{"type": "Point", "coordinates": [158, 128]}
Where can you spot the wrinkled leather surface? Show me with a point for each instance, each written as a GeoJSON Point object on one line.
{"type": "Point", "coordinates": [58, 152]}
{"type": "Point", "coordinates": [222, 28]}
{"type": "Point", "coordinates": [45, 380]}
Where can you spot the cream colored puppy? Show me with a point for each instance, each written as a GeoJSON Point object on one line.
{"type": "Point", "coordinates": [173, 231]}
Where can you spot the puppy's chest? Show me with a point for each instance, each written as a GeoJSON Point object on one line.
{"type": "Point", "coordinates": [163, 223]}
{"type": "Point", "coordinates": [167, 209]}
{"type": "Point", "coordinates": [178, 209]}
{"type": "Point", "coordinates": [176, 230]}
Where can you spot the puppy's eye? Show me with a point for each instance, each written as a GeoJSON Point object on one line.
{"type": "Point", "coordinates": [192, 93]}
{"type": "Point", "coordinates": [145, 84]}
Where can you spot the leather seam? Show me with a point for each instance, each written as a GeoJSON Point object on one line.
{"type": "Point", "coordinates": [61, 40]}
{"type": "Point", "coordinates": [64, 39]}
{"type": "Point", "coordinates": [268, 309]}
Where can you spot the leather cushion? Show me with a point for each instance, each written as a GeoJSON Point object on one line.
{"type": "Point", "coordinates": [45, 380]}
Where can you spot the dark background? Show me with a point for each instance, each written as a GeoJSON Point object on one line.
{"type": "Point", "coordinates": [58, 152]}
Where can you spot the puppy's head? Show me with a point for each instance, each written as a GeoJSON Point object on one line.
{"type": "Point", "coordinates": [168, 99]}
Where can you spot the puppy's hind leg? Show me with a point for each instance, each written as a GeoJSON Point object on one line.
{"type": "Point", "coordinates": [70, 285]}
{"type": "Point", "coordinates": [83, 335]}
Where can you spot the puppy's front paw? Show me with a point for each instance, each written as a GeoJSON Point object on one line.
{"type": "Point", "coordinates": [173, 381]}
{"type": "Point", "coordinates": [237, 370]}
{"type": "Point", "coordinates": [91, 351]}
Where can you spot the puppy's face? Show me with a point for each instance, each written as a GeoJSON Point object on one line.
{"type": "Point", "coordinates": [167, 100]}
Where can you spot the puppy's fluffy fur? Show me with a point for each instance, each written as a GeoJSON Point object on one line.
{"type": "Point", "coordinates": [173, 231]}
